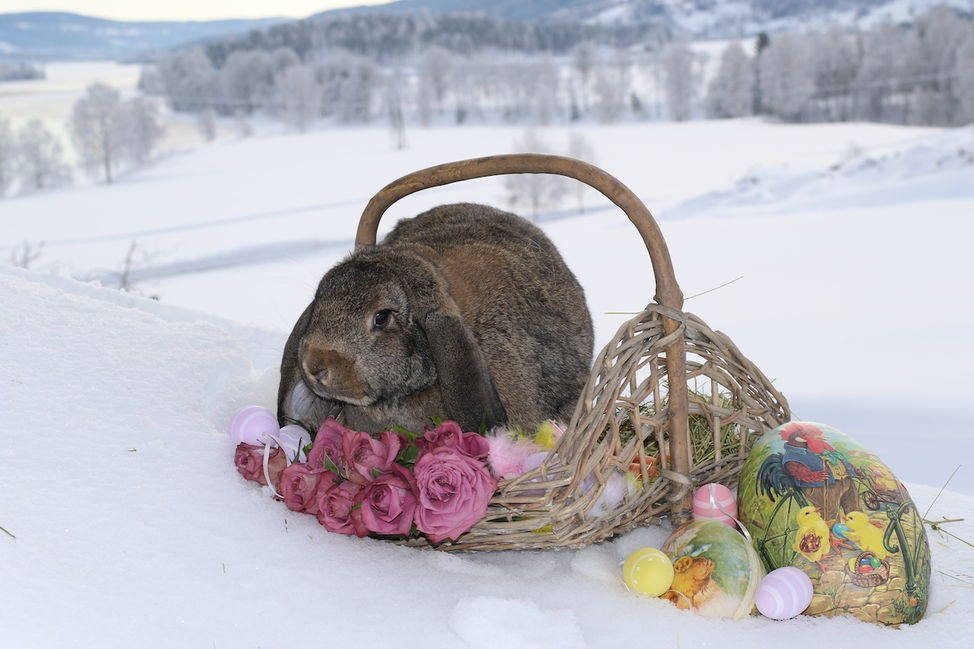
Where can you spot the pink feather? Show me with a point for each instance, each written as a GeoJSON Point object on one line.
{"type": "Point", "coordinates": [506, 455]}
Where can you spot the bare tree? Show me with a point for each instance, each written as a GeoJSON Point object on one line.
{"type": "Point", "coordinates": [26, 255]}
{"type": "Point", "coordinates": [8, 153]}
{"type": "Point", "coordinates": [40, 156]}
{"type": "Point", "coordinates": [299, 94]}
{"type": "Point", "coordinates": [536, 191]}
{"type": "Point", "coordinates": [97, 127]}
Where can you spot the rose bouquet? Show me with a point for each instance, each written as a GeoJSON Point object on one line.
{"type": "Point", "coordinates": [397, 484]}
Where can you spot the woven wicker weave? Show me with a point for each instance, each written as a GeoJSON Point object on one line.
{"type": "Point", "coordinates": [630, 417]}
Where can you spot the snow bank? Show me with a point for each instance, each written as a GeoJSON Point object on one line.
{"type": "Point", "coordinates": [134, 530]}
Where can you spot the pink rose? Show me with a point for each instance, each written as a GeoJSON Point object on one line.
{"type": "Point", "coordinates": [454, 490]}
{"type": "Point", "coordinates": [449, 434]}
{"type": "Point", "coordinates": [328, 443]}
{"type": "Point", "coordinates": [336, 509]}
{"type": "Point", "coordinates": [365, 454]}
{"type": "Point", "coordinates": [299, 487]}
{"type": "Point", "coordinates": [388, 503]}
{"type": "Point", "coordinates": [250, 463]}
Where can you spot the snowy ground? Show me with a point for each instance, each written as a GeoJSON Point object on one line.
{"type": "Point", "coordinates": [851, 242]}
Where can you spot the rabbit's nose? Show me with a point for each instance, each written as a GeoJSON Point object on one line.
{"type": "Point", "coordinates": [315, 367]}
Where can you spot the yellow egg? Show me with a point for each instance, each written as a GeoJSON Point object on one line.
{"type": "Point", "coordinates": [648, 571]}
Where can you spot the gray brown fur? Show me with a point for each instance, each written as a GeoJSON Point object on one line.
{"type": "Point", "coordinates": [490, 327]}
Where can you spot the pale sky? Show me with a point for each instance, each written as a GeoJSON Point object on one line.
{"type": "Point", "coordinates": [183, 9]}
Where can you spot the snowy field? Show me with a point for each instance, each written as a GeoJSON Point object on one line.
{"type": "Point", "coordinates": [849, 244]}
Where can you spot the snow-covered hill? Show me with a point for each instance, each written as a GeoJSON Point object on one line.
{"type": "Point", "coordinates": [55, 36]}
{"type": "Point", "coordinates": [699, 18]}
{"type": "Point", "coordinates": [126, 525]}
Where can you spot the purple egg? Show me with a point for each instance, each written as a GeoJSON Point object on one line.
{"type": "Point", "coordinates": [293, 439]}
{"type": "Point", "coordinates": [784, 593]}
{"type": "Point", "coordinates": [249, 425]}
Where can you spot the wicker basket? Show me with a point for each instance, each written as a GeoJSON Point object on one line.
{"type": "Point", "coordinates": [630, 418]}
{"type": "Point", "coordinates": [877, 577]}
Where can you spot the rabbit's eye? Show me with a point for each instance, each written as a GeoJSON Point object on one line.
{"type": "Point", "coordinates": [382, 319]}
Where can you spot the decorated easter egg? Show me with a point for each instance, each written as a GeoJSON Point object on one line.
{"type": "Point", "coordinates": [783, 593]}
{"type": "Point", "coordinates": [251, 424]}
{"type": "Point", "coordinates": [717, 502]}
{"type": "Point", "coordinates": [715, 570]}
{"type": "Point", "coordinates": [648, 571]}
{"type": "Point", "coordinates": [815, 499]}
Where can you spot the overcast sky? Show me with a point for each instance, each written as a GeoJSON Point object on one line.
{"type": "Point", "coordinates": [182, 9]}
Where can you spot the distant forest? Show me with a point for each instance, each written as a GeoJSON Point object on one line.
{"type": "Point", "coordinates": [460, 68]}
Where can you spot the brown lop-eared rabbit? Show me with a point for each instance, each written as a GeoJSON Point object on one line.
{"type": "Point", "coordinates": [464, 312]}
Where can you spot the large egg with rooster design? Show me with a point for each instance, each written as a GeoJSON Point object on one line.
{"type": "Point", "coordinates": [715, 570]}
{"type": "Point", "coordinates": [813, 498]}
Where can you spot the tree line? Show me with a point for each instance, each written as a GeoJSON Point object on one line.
{"type": "Point", "coordinates": [364, 68]}
{"type": "Point", "coordinates": [921, 74]}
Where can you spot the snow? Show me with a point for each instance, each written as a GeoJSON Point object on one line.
{"type": "Point", "coordinates": [133, 528]}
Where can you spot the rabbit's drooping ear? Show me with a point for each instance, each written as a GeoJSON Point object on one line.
{"type": "Point", "coordinates": [468, 393]}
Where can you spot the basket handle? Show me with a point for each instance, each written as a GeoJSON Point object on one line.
{"type": "Point", "coordinates": [668, 292]}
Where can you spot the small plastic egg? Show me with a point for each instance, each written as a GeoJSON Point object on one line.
{"type": "Point", "coordinates": [784, 593]}
{"type": "Point", "coordinates": [648, 571]}
{"type": "Point", "coordinates": [293, 439]}
{"type": "Point", "coordinates": [716, 502]}
{"type": "Point", "coordinates": [875, 563]}
{"type": "Point", "coordinates": [249, 425]}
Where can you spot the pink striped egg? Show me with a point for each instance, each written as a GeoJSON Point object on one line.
{"type": "Point", "coordinates": [716, 502]}
{"type": "Point", "coordinates": [784, 593]}
{"type": "Point", "coordinates": [250, 424]}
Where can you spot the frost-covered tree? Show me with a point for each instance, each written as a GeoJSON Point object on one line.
{"type": "Point", "coordinates": [583, 63]}
{"type": "Point", "coordinates": [40, 156]}
{"type": "Point", "coordinates": [247, 82]}
{"type": "Point", "coordinates": [611, 87]}
{"type": "Point", "coordinates": [835, 62]}
{"type": "Point", "coordinates": [731, 92]}
{"type": "Point", "coordinates": [433, 80]}
{"type": "Point", "coordinates": [190, 81]}
{"type": "Point", "coordinates": [678, 70]}
{"type": "Point", "coordinates": [393, 99]}
{"type": "Point", "coordinates": [964, 81]}
{"type": "Point", "coordinates": [348, 81]}
{"type": "Point", "coordinates": [878, 74]}
{"type": "Point", "coordinates": [786, 76]}
{"type": "Point", "coordinates": [299, 95]}
{"type": "Point", "coordinates": [536, 191]}
{"type": "Point", "coordinates": [98, 129]}
{"type": "Point", "coordinates": [7, 156]}
{"type": "Point", "coordinates": [142, 129]}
